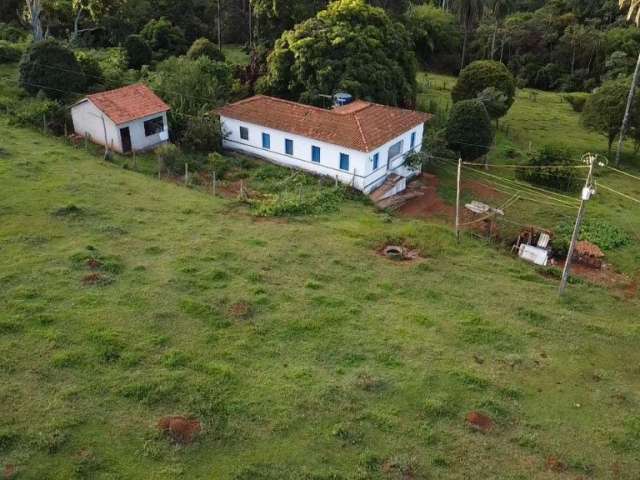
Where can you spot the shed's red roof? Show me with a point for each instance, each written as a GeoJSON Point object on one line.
{"type": "Point", "coordinates": [128, 103]}
{"type": "Point", "coordinates": [363, 126]}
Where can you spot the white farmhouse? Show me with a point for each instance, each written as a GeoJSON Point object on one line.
{"type": "Point", "coordinates": [131, 118]}
{"type": "Point", "coordinates": [362, 144]}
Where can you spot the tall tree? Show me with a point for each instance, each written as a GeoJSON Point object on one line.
{"type": "Point", "coordinates": [499, 9]}
{"type": "Point", "coordinates": [469, 12]}
{"type": "Point", "coordinates": [34, 12]}
{"type": "Point", "coordinates": [633, 14]}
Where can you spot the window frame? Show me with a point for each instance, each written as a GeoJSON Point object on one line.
{"type": "Point", "coordinates": [413, 140]}
{"type": "Point", "coordinates": [399, 143]}
{"type": "Point", "coordinates": [344, 157]}
{"type": "Point", "coordinates": [244, 130]}
{"type": "Point", "coordinates": [316, 158]}
{"type": "Point", "coordinates": [288, 143]}
{"type": "Point", "coordinates": [376, 160]}
{"type": "Point", "coordinates": [157, 122]}
{"type": "Point", "coordinates": [266, 141]}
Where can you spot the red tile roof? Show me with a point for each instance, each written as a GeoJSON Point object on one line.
{"type": "Point", "coordinates": [128, 103]}
{"type": "Point", "coordinates": [363, 126]}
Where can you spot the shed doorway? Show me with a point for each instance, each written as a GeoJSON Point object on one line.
{"type": "Point", "coordinates": [125, 136]}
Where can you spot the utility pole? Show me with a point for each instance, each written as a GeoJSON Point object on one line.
{"type": "Point", "coordinates": [587, 191]}
{"type": "Point", "coordinates": [458, 200]}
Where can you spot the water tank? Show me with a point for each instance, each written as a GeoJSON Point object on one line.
{"type": "Point", "coordinates": [341, 99]}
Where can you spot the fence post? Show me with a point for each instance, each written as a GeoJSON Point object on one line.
{"type": "Point", "coordinates": [186, 173]}
{"type": "Point", "coordinates": [213, 183]}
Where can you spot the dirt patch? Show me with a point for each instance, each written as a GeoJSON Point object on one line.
{"type": "Point", "coordinates": [9, 472]}
{"type": "Point", "coordinates": [482, 191]}
{"type": "Point", "coordinates": [555, 465]}
{"type": "Point", "coordinates": [94, 264]}
{"type": "Point", "coordinates": [240, 310]}
{"type": "Point", "coordinates": [96, 279]}
{"type": "Point", "coordinates": [604, 276]}
{"type": "Point", "coordinates": [479, 421]}
{"type": "Point", "coordinates": [426, 202]}
{"type": "Point", "coordinates": [181, 430]}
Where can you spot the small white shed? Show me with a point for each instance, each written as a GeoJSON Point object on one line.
{"type": "Point", "coordinates": [131, 118]}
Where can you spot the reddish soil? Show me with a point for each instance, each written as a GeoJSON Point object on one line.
{"type": "Point", "coordinates": [9, 472]}
{"type": "Point", "coordinates": [93, 279]}
{"type": "Point", "coordinates": [555, 465]}
{"type": "Point", "coordinates": [181, 430]}
{"type": "Point", "coordinates": [240, 310]}
{"type": "Point", "coordinates": [479, 421]}
{"type": "Point", "coordinates": [93, 264]}
{"type": "Point", "coordinates": [604, 276]}
{"type": "Point", "coordinates": [429, 203]}
{"type": "Point", "coordinates": [482, 191]}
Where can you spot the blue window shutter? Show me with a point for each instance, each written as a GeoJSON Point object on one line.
{"type": "Point", "coordinates": [344, 161]}
{"type": "Point", "coordinates": [413, 139]}
{"type": "Point", "coordinates": [266, 141]}
{"type": "Point", "coordinates": [315, 154]}
{"type": "Point", "coordinates": [288, 146]}
{"type": "Point", "coordinates": [376, 161]}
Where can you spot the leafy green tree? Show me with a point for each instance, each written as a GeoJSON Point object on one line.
{"type": "Point", "coordinates": [605, 110]}
{"type": "Point", "coordinates": [50, 67]}
{"type": "Point", "coordinates": [478, 76]}
{"type": "Point", "coordinates": [273, 17]}
{"type": "Point", "coordinates": [563, 177]}
{"type": "Point", "coordinates": [192, 88]}
{"type": "Point", "coordinates": [351, 46]}
{"type": "Point", "coordinates": [138, 51]}
{"type": "Point", "coordinates": [164, 38]}
{"type": "Point", "coordinates": [91, 69]}
{"type": "Point", "coordinates": [468, 130]}
{"type": "Point", "coordinates": [436, 34]}
{"type": "Point", "coordinates": [203, 47]}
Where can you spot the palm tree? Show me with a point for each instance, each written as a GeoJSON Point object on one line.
{"type": "Point", "coordinates": [469, 12]}
{"type": "Point", "coordinates": [634, 15]}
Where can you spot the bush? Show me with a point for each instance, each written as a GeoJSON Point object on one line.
{"type": "Point", "coordinates": [562, 177]}
{"type": "Point", "coordinates": [577, 101]}
{"type": "Point", "coordinates": [201, 134]}
{"type": "Point", "coordinates": [469, 129]}
{"type": "Point", "coordinates": [295, 203]}
{"type": "Point", "coordinates": [203, 47]}
{"type": "Point", "coordinates": [9, 52]}
{"type": "Point", "coordinates": [600, 233]}
{"type": "Point", "coordinates": [90, 67]}
{"type": "Point", "coordinates": [481, 75]}
{"type": "Point", "coordinates": [164, 38]}
{"type": "Point", "coordinates": [138, 52]}
{"type": "Point", "coordinates": [219, 164]}
{"type": "Point", "coordinates": [11, 34]}
{"type": "Point", "coordinates": [170, 158]}
{"type": "Point", "coordinates": [34, 112]}
{"type": "Point", "coordinates": [52, 68]}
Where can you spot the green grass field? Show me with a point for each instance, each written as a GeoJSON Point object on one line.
{"type": "Point", "coordinates": [304, 353]}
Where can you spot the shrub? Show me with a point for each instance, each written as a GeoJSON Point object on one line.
{"type": "Point", "coordinates": [164, 38]}
{"type": "Point", "coordinates": [481, 75]}
{"type": "Point", "coordinates": [295, 203]}
{"type": "Point", "coordinates": [9, 52]}
{"type": "Point", "coordinates": [603, 234]}
{"type": "Point", "coordinates": [138, 51]}
{"type": "Point", "coordinates": [562, 177]}
{"type": "Point", "coordinates": [203, 47]}
{"type": "Point", "coordinates": [577, 101]}
{"type": "Point", "coordinates": [11, 33]}
{"type": "Point", "coordinates": [33, 112]}
{"type": "Point", "coordinates": [469, 129]}
{"type": "Point", "coordinates": [219, 164]}
{"type": "Point", "coordinates": [169, 158]}
{"type": "Point", "coordinates": [201, 134]}
{"type": "Point", "coordinates": [52, 68]}
{"type": "Point", "coordinates": [91, 69]}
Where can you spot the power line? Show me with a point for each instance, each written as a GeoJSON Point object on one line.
{"type": "Point", "coordinates": [628, 197]}
{"type": "Point", "coordinates": [623, 172]}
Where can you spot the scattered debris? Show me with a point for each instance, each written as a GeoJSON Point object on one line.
{"type": "Point", "coordinates": [482, 208]}
{"type": "Point", "coordinates": [397, 252]}
{"type": "Point", "coordinates": [96, 279]}
{"type": "Point", "coordinates": [180, 429]}
{"type": "Point", "coordinates": [533, 245]}
{"type": "Point", "coordinates": [479, 421]}
{"type": "Point", "coordinates": [479, 359]}
{"type": "Point", "coordinates": [555, 465]}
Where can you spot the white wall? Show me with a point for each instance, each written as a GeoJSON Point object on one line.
{"type": "Point", "coordinates": [87, 119]}
{"type": "Point", "coordinates": [361, 173]}
{"type": "Point", "coordinates": [139, 141]}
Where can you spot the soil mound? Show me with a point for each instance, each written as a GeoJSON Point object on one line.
{"type": "Point", "coordinates": [479, 421]}
{"type": "Point", "coordinates": [181, 430]}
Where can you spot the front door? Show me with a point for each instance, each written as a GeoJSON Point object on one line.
{"type": "Point", "coordinates": [125, 135]}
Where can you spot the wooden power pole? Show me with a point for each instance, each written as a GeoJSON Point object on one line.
{"type": "Point", "coordinates": [458, 200]}
{"type": "Point", "coordinates": [587, 191]}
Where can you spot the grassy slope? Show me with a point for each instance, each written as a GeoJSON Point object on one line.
{"type": "Point", "coordinates": [542, 118]}
{"type": "Point", "coordinates": [347, 359]}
